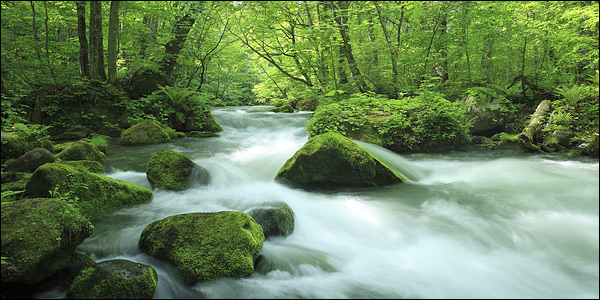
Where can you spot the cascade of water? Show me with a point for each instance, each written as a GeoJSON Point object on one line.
{"type": "Point", "coordinates": [462, 226]}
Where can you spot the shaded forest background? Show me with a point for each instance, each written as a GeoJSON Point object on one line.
{"type": "Point", "coordinates": [58, 54]}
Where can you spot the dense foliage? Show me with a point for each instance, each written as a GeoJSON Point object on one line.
{"type": "Point", "coordinates": [167, 58]}
{"type": "Point", "coordinates": [423, 122]}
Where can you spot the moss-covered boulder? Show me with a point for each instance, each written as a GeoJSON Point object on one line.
{"type": "Point", "coordinates": [39, 237]}
{"type": "Point", "coordinates": [17, 143]}
{"type": "Point", "coordinates": [14, 181]}
{"type": "Point", "coordinates": [89, 165]}
{"type": "Point", "coordinates": [285, 108]}
{"type": "Point", "coordinates": [81, 150]}
{"type": "Point", "coordinates": [275, 220]}
{"type": "Point", "coordinates": [172, 170]}
{"type": "Point", "coordinates": [146, 132]}
{"type": "Point", "coordinates": [30, 161]}
{"type": "Point", "coordinates": [97, 194]}
{"type": "Point", "coordinates": [332, 160]}
{"type": "Point", "coordinates": [115, 279]}
{"type": "Point", "coordinates": [205, 246]}
{"type": "Point", "coordinates": [74, 133]}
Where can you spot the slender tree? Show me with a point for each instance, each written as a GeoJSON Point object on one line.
{"type": "Point", "coordinates": [112, 40]}
{"type": "Point", "coordinates": [84, 66]}
{"type": "Point", "coordinates": [96, 45]}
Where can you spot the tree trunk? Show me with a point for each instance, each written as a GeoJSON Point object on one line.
{"type": "Point", "coordinates": [174, 46]}
{"type": "Point", "coordinates": [392, 48]}
{"type": "Point", "coordinates": [48, 50]}
{"type": "Point", "coordinates": [96, 45]}
{"type": "Point", "coordinates": [83, 43]}
{"type": "Point", "coordinates": [113, 26]}
{"type": "Point", "coordinates": [341, 18]}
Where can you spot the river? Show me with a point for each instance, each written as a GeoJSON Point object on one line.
{"type": "Point", "coordinates": [471, 224]}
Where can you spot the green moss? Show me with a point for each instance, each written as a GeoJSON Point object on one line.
{"type": "Point", "coordinates": [171, 170]}
{"type": "Point", "coordinates": [275, 221]}
{"type": "Point", "coordinates": [81, 150]}
{"type": "Point", "coordinates": [115, 279]}
{"type": "Point", "coordinates": [202, 134]}
{"type": "Point", "coordinates": [146, 132]}
{"type": "Point", "coordinates": [205, 246]}
{"type": "Point", "coordinates": [332, 160]}
{"type": "Point", "coordinates": [285, 108]}
{"type": "Point", "coordinates": [87, 165]}
{"type": "Point", "coordinates": [95, 194]}
{"type": "Point", "coordinates": [39, 237]}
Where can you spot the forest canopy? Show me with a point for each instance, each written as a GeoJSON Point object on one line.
{"type": "Point", "coordinates": [251, 52]}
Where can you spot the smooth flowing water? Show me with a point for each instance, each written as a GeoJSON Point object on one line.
{"type": "Point", "coordinates": [479, 224]}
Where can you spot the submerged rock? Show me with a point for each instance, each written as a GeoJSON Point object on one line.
{"type": "Point", "coordinates": [172, 170]}
{"type": "Point", "coordinates": [277, 220]}
{"type": "Point", "coordinates": [115, 279]}
{"type": "Point", "coordinates": [332, 160]}
{"type": "Point", "coordinates": [146, 132]}
{"type": "Point", "coordinates": [39, 237]}
{"type": "Point", "coordinates": [205, 246]}
{"type": "Point", "coordinates": [96, 194]}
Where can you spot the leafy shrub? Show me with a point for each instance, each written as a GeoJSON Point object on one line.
{"type": "Point", "coordinates": [418, 123]}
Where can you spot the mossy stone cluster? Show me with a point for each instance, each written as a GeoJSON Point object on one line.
{"type": "Point", "coordinates": [146, 132]}
{"type": "Point", "coordinates": [97, 194]}
{"type": "Point", "coordinates": [39, 237]}
{"type": "Point", "coordinates": [172, 170]}
{"type": "Point", "coordinates": [115, 279]}
{"type": "Point", "coordinates": [205, 246]}
{"type": "Point", "coordinates": [332, 160]}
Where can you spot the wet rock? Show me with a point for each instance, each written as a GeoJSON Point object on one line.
{"type": "Point", "coordinates": [172, 170]}
{"type": "Point", "coordinates": [332, 160]}
{"type": "Point", "coordinates": [39, 237]}
{"type": "Point", "coordinates": [277, 220]}
{"type": "Point", "coordinates": [115, 279]}
{"type": "Point", "coordinates": [205, 246]}
{"type": "Point", "coordinates": [96, 194]}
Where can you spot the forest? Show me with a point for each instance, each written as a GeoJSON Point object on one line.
{"type": "Point", "coordinates": [300, 149]}
{"type": "Point", "coordinates": [505, 55]}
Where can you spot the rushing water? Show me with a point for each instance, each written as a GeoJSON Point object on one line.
{"type": "Point", "coordinates": [479, 224]}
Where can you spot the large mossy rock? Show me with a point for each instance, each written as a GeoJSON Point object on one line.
{"type": "Point", "coordinates": [146, 132]}
{"type": "Point", "coordinates": [115, 279]}
{"type": "Point", "coordinates": [332, 160]}
{"type": "Point", "coordinates": [172, 170]}
{"type": "Point", "coordinates": [30, 161]}
{"type": "Point", "coordinates": [205, 246]}
{"type": "Point", "coordinates": [285, 108]}
{"type": "Point", "coordinates": [97, 194]}
{"type": "Point", "coordinates": [39, 237]}
{"type": "Point", "coordinates": [275, 220]}
{"type": "Point", "coordinates": [15, 144]}
{"type": "Point", "coordinates": [82, 150]}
